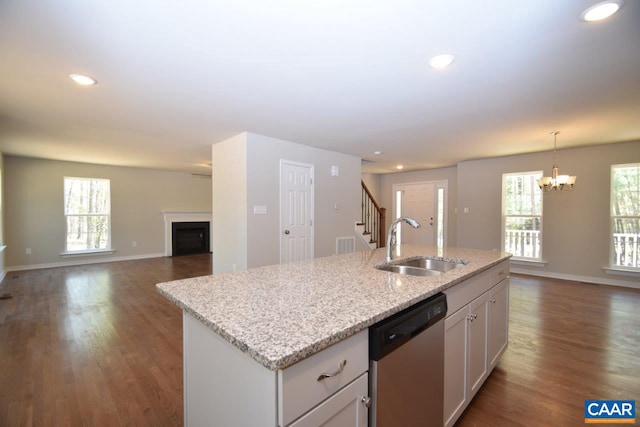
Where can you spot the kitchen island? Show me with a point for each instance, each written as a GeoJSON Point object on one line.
{"type": "Point", "coordinates": [250, 335]}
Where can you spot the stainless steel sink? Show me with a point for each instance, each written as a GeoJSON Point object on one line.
{"type": "Point", "coordinates": [432, 264]}
{"type": "Point", "coordinates": [421, 266]}
{"type": "Point", "coordinates": [405, 269]}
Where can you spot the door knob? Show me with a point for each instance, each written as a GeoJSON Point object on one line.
{"type": "Point", "coordinates": [286, 231]}
{"type": "Point", "coordinates": [366, 401]}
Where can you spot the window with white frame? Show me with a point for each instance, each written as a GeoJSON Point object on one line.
{"type": "Point", "coordinates": [522, 215]}
{"type": "Point", "coordinates": [625, 215]}
{"type": "Point", "coordinates": [87, 210]}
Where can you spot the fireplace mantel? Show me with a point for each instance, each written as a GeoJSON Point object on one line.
{"type": "Point", "coordinates": [174, 216]}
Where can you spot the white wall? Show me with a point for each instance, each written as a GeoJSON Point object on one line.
{"type": "Point", "coordinates": [2, 242]}
{"type": "Point", "coordinates": [34, 216]}
{"type": "Point", "coordinates": [262, 232]}
{"type": "Point", "coordinates": [576, 229]}
{"type": "Point", "coordinates": [374, 184]}
{"type": "Point", "coordinates": [576, 224]}
{"type": "Point", "coordinates": [229, 204]}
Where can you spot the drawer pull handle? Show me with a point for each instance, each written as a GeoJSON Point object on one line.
{"type": "Point", "coordinates": [333, 374]}
{"type": "Point", "coordinates": [493, 300]}
{"type": "Point", "coordinates": [472, 317]}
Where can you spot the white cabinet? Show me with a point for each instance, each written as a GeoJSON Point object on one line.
{"type": "Point", "coordinates": [345, 408]}
{"type": "Point", "coordinates": [223, 386]}
{"type": "Point", "coordinates": [498, 321]}
{"type": "Point", "coordinates": [322, 377]}
{"type": "Point", "coordinates": [477, 348]}
{"type": "Point", "coordinates": [465, 352]}
{"type": "Point", "coordinates": [455, 366]}
{"type": "Point", "coordinates": [475, 336]}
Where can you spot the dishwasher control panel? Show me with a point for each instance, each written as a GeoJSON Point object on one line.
{"type": "Point", "coordinates": [389, 334]}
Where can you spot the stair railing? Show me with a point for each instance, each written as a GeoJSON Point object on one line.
{"type": "Point", "coordinates": [373, 218]}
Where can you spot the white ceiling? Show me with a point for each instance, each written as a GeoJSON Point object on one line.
{"type": "Point", "coordinates": [345, 75]}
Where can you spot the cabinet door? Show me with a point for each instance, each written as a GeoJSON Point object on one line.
{"type": "Point", "coordinates": [477, 350]}
{"type": "Point", "coordinates": [345, 408]}
{"type": "Point", "coordinates": [455, 365]}
{"type": "Point", "coordinates": [498, 321]}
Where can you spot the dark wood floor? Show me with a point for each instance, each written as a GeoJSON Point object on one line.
{"type": "Point", "coordinates": [96, 345]}
{"type": "Point", "coordinates": [568, 341]}
{"type": "Point", "coordinates": [93, 345]}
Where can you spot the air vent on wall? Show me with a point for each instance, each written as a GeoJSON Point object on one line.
{"type": "Point", "coordinates": [345, 245]}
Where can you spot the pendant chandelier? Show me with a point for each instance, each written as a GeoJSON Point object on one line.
{"type": "Point", "coordinates": [556, 181]}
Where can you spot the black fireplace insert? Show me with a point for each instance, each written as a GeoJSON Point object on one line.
{"type": "Point", "coordinates": [190, 238]}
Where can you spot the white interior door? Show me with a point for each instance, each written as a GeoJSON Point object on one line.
{"type": "Point", "coordinates": [425, 202]}
{"type": "Point", "coordinates": [296, 211]}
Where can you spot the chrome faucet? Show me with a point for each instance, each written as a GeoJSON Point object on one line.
{"type": "Point", "coordinates": [391, 236]}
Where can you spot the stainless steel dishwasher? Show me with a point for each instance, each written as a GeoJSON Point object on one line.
{"type": "Point", "coordinates": [406, 353]}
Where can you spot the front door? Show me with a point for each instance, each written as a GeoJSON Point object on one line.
{"type": "Point", "coordinates": [425, 202]}
{"type": "Point", "coordinates": [296, 211]}
{"type": "Point", "coordinates": [416, 201]}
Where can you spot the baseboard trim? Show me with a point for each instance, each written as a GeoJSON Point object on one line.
{"type": "Point", "coordinates": [585, 279]}
{"type": "Point", "coordinates": [81, 262]}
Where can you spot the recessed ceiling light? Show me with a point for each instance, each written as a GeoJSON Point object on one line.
{"type": "Point", "coordinates": [440, 62]}
{"type": "Point", "coordinates": [377, 153]}
{"type": "Point", "coordinates": [601, 10]}
{"type": "Point", "coordinates": [399, 167]}
{"type": "Point", "coordinates": [83, 80]}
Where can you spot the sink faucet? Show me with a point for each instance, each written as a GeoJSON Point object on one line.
{"type": "Point", "coordinates": [391, 236]}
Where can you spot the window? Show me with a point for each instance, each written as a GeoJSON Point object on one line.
{"type": "Point", "coordinates": [625, 215]}
{"type": "Point", "coordinates": [440, 217]}
{"type": "Point", "coordinates": [522, 215]}
{"type": "Point", "coordinates": [87, 209]}
{"type": "Point", "coordinates": [398, 215]}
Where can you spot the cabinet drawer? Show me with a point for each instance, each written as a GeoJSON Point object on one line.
{"type": "Point", "coordinates": [299, 387]}
{"type": "Point", "coordinates": [345, 408]}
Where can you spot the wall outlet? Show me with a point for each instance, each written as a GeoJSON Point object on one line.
{"type": "Point", "coordinates": [134, 244]}
{"type": "Point", "coordinates": [28, 251]}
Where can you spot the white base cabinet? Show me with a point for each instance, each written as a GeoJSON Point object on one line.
{"type": "Point", "coordinates": [476, 335]}
{"type": "Point", "coordinates": [223, 386]}
{"type": "Point", "coordinates": [345, 408]}
{"type": "Point", "coordinates": [498, 321]}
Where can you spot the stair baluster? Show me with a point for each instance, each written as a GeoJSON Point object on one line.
{"type": "Point", "coordinates": [373, 218]}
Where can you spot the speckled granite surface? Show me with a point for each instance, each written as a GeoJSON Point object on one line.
{"type": "Point", "coordinates": [281, 314]}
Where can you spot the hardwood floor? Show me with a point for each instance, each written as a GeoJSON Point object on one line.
{"type": "Point", "coordinates": [98, 346]}
{"type": "Point", "coordinates": [568, 341]}
{"type": "Point", "coordinates": [93, 345]}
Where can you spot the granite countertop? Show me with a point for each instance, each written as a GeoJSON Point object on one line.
{"type": "Point", "coordinates": [281, 314]}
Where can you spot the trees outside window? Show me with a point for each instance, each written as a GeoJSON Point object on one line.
{"type": "Point", "coordinates": [522, 215]}
{"type": "Point", "coordinates": [625, 215]}
{"type": "Point", "coordinates": [87, 209]}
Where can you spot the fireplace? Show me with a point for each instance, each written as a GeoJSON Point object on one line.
{"type": "Point", "coordinates": [189, 238]}
{"type": "Point", "coordinates": [182, 217]}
